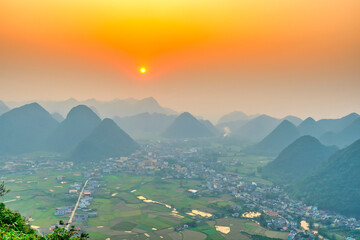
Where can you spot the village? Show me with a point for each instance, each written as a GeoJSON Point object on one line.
{"type": "Point", "coordinates": [276, 210]}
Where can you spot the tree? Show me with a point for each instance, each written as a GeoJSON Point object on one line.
{"type": "Point", "coordinates": [14, 226]}
{"type": "Point", "coordinates": [3, 190]}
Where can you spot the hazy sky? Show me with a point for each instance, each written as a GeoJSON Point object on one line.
{"type": "Point", "coordinates": [208, 57]}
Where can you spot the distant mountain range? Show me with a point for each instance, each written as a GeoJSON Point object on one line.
{"type": "Point", "coordinates": [310, 127]}
{"type": "Point", "coordinates": [297, 160]}
{"type": "Point", "coordinates": [187, 126]}
{"type": "Point", "coordinates": [3, 108]}
{"type": "Point", "coordinates": [110, 109]}
{"type": "Point", "coordinates": [344, 137]}
{"type": "Point", "coordinates": [335, 183]}
{"type": "Point", "coordinates": [236, 116]}
{"type": "Point", "coordinates": [268, 135]}
{"type": "Point", "coordinates": [145, 124]}
{"type": "Point", "coordinates": [252, 128]}
{"type": "Point", "coordinates": [336, 125]}
{"type": "Point", "coordinates": [256, 129]}
{"type": "Point", "coordinates": [345, 131]}
{"type": "Point", "coordinates": [31, 128]}
{"type": "Point", "coordinates": [58, 117]}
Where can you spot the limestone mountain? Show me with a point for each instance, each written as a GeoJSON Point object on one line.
{"type": "Point", "coordinates": [256, 129]}
{"type": "Point", "coordinates": [234, 116]}
{"type": "Point", "coordinates": [187, 126]}
{"type": "Point", "coordinates": [58, 117]}
{"type": "Point", "coordinates": [284, 134]}
{"type": "Point", "coordinates": [3, 108]}
{"type": "Point", "coordinates": [335, 183]}
{"type": "Point", "coordinates": [310, 127]}
{"type": "Point", "coordinates": [109, 109]}
{"type": "Point", "coordinates": [337, 125]}
{"type": "Point", "coordinates": [25, 129]}
{"type": "Point", "coordinates": [345, 137]}
{"type": "Point", "coordinates": [293, 119]}
{"type": "Point", "coordinates": [298, 159]}
{"type": "Point", "coordinates": [106, 140]}
{"type": "Point", "coordinates": [210, 126]}
{"type": "Point", "coordinates": [79, 123]}
{"type": "Point", "coordinates": [145, 123]}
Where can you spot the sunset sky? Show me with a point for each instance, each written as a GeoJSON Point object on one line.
{"type": "Point", "coordinates": [209, 57]}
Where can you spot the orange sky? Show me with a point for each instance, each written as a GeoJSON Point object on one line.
{"type": "Point", "coordinates": [208, 57]}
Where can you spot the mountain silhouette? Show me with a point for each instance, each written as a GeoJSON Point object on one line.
{"type": "Point", "coordinates": [297, 160]}
{"type": "Point", "coordinates": [187, 126]}
{"type": "Point", "coordinates": [3, 108]}
{"type": "Point", "coordinates": [25, 129]}
{"type": "Point", "coordinates": [293, 119]}
{"type": "Point", "coordinates": [109, 109]}
{"type": "Point", "coordinates": [310, 127]}
{"type": "Point", "coordinates": [79, 123]}
{"type": "Point", "coordinates": [106, 140]}
{"type": "Point", "coordinates": [277, 140]}
{"type": "Point", "coordinates": [58, 117]}
{"type": "Point", "coordinates": [257, 128]}
{"type": "Point", "coordinates": [345, 137]}
{"type": "Point", "coordinates": [144, 124]}
{"type": "Point", "coordinates": [337, 125]}
{"type": "Point", "coordinates": [335, 183]}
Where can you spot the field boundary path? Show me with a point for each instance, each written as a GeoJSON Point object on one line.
{"type": "Point", "coordinates": [77, 204]}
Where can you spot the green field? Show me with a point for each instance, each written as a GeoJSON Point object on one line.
{"type": "Point", "coordinates": [37, 196]}
{"type": "Point", "coordinates": [125, 212]}
{"type": "Point", "coordinates": [121, 215]}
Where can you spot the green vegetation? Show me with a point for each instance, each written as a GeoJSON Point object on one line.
{"type": "Point", "coordinates": [13, 226]}
{"type": "Point", "coordinates": [259, 237]}
{"type": "Point", "coordinates": [31, 195]}
{"type": "Point", "coordinates": [295, 161]}
{"type": "Point", "coordinates": [334, 185]}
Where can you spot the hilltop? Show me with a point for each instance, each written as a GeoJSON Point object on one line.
{"type": "Point", "coordinates": [345, 137]}
{"type": "Point", "coordinates": [277, 140]}
{"type": "Point", "coordinates": [145, 123]}
{"type": "Point", "coordinates": [79, 123]}
{"type": "Point", "coordinates": [3, 108]}
{"type": "Point", "coordinates": [187, 126]}
{"type": "Point", "coordinates": [298, 159]}
{"type": "Point", "coordinates": [25, 129]}
{"type": "Point", "coordinates": [256, 129]}
{"type": "Point", "coordinates": [106, 140]}
{"type": "Point", "coordinates": [335, 184]}
{"type": "Point", "coordinates": [310, 127]}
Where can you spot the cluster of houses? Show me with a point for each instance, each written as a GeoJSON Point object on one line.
{"type": "Point", "coordinates": [283, 212]}
{"type": "Point", "coordinates": [171, 162]}
{"type": "Point", "coordinates": [83, 211]}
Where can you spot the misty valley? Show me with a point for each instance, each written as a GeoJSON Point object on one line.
{"type": "Point", "coordinates": [132, 169]}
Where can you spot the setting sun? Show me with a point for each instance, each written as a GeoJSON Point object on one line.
{"type": "Point", "coordinates": [143, 70]}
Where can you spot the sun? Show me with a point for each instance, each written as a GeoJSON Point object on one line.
{"type": "Point", "coordinates": [143, 70]}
